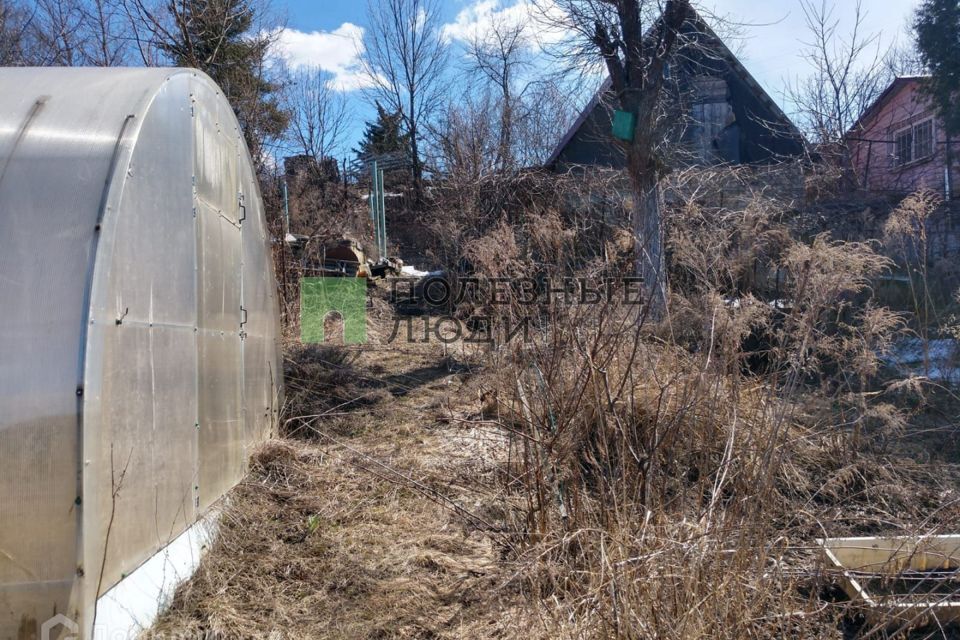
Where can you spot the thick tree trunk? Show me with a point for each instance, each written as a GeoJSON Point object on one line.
{"type": "Point", "coordinates": [416, 170]}
{"type": "Point", "coordinates": [636, 65]}
{"type": "Point", "coordinates": [506, 125]}
{"type": "Point", "coordinates": [644, 173]}
{"type": "Point", "coordinates": [648, 228]}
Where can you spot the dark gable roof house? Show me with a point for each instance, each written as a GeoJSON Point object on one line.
{"type": "Point", "coordinates": [724, 115]}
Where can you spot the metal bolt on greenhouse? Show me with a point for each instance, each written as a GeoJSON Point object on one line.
{"type": "Point", "coordinates": [139, 353]}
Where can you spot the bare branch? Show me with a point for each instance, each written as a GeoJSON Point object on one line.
{"type": "Point", "coordinates": [319, 114]}
{"type": "Point", "coordinates": [404, 58]}
{"type": "Point", "coordinates": [848, 73]}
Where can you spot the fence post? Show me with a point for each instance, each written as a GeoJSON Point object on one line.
{"type": "Point", "coordinates": [383, 215]}
{"type": "Point", "coordinates": [374, 203]}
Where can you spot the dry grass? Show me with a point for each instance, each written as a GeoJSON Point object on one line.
{"type": "Point", "coordinates": [610, 478]}
{"type": "Point", "coordinates": [671, 488]}
{"type": "Point", "coordinates": [718, 541]}
{"type": "Point", "coordinates": [342, 530]}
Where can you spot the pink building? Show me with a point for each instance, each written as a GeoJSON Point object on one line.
{"type": "Point", "coordinates": [898, 145]}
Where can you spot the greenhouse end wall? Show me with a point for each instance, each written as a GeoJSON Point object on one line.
{"type": "Point", "coordinates": [139, 360]}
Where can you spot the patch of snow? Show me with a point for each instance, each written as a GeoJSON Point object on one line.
{"type": "Point", "coordinates": [410, 270]}
{"type": "Point", "coordinates": [943, 364]}
{"type": "Point", "coordinates": [779, 304]}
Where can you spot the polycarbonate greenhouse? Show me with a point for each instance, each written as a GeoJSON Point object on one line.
{"type": "Point", "coordinates": [139, 355]}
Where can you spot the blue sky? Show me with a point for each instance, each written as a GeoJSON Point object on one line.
{"type": "Point", "coordinates": [326, 33]}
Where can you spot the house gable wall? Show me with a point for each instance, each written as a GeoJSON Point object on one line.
{"type": "Point", "coordinates": [735, 124]}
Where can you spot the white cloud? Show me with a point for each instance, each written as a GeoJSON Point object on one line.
{"type": "Point", "coordinates": [478, 18]}
{"type": "Point", "coordinates": [774, 33]}
{"type": "Point", "coordinates": [337, 52]}
{"type": "Point", "coordinates": [471, 20]}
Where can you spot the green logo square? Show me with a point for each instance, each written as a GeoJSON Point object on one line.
{"type": "Point", "coordinates": [345, 296]}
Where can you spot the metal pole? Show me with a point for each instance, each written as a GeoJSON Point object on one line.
{"type": "Point", "coordinates": [286, 209]}
{"type": "Point", "coordinates": [374, 203]}
{"type": "Point", "coordinates": [379, 215]}
{"type": "Point", "coordinates": [383, 216]}
{"type": "Point", "coordinates": [947, 171]}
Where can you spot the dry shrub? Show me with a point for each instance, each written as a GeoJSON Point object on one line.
{"type": "Point", "coordinates": [546, 211]}
{"type": "Point", "coordinates": [641, 499]}
{"type": "Point", "coordinates": [495, 253]}
{"type": "Point", "coordinates": [907, 236]}
{"type": "Point", "coordinates": [678, 579]}
{"type": "Point", "coordinates": [319, 378]}
{"type": "Point", "coordinates": [550, 239]}
{"type": "Point", "coordinates": [662, 488]}
{"type": "Point", "coordinates": [905, 228]}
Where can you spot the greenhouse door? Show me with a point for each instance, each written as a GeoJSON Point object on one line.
{"type": "Point", "coordinates": [220, 424]}
{"type": "Point", "coordinates": [260, 370]}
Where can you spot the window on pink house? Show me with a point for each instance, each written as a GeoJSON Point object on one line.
{"type": "Point", "coordinates": [923, 140]}
{"type": "Point", "coordinates": [903, 147]}
{"type": "Point", "coordinates": [913, 143]}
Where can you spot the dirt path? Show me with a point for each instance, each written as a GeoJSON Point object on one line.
{"type": "Point", "coordinates": [369, 522]}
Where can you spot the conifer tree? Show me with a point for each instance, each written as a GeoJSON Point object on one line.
{"type": "Point", "coordinates": [384, 135]}
{"type": "Point", "coordinates": [937, 27]}
{"type": "Point", "coordinates": [224, 39]}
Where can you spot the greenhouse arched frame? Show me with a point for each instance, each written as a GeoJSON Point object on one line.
{"type": "Point", "coordinates": [139, 343]}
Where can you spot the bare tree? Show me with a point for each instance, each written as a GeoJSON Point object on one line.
{"type": "Point", "coordinates": [848, 73]}
{"type": "Point", "coordinates": [147, 23]}
{"type": "Point", "coordinates": [903, 59]}
{"type": "Point", "coordinates": [318, 115]}
{"type": "Point", "coordinates": [63, 33]}
{"type": "Point", "coordinates": [547, 112]}
{"type": "Point", "coordinates": [633, 39]}
{"type": "Point", "coordinates": [106, 43]}
{"type": "Point", "coordinates": [512, 113]}
{"type": "Point", "coordinates": [14, 23]}
{"type": "Point", "coordinates": [57, 33]}
{"type": "Point", "coordinates": [404, 57]}
{"type": "Point", "coordinates": [499, 54]}
{"type": "Point", "coordinates": [466, 138]}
